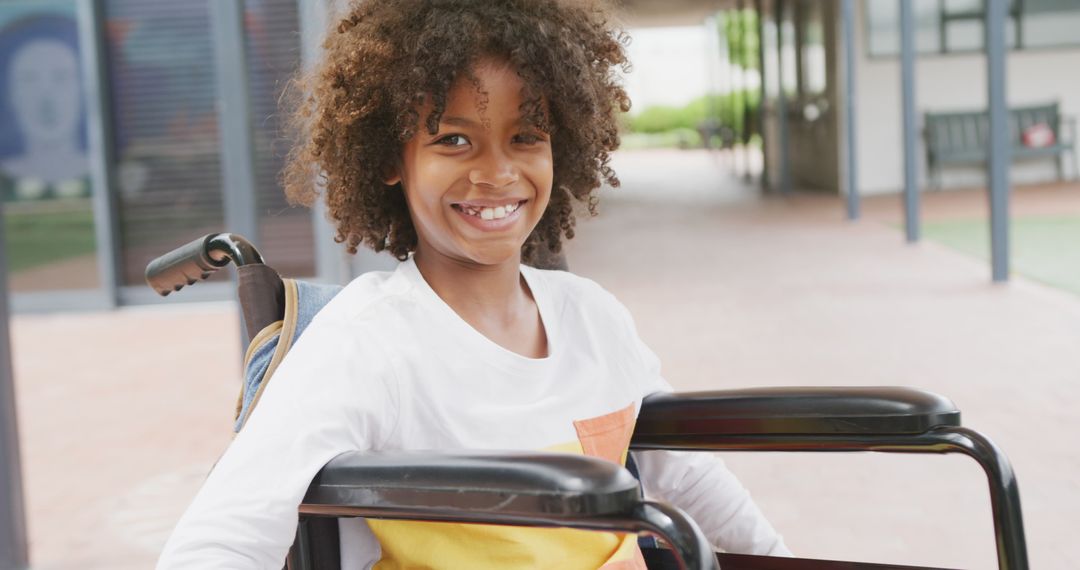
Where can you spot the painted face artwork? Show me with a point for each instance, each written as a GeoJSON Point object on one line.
{"type": "Point", "coordinates": [44, 96]}
{"type": "Point", "coordinates": [44, 80]}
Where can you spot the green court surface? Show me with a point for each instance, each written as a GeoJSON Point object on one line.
{"type": "Point", "coordinates": [1044, 249]}
{"type": "Point", "coordinates": [37, 237]}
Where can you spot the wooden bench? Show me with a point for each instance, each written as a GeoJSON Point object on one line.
{"type": "Point", "coordinates": [1034, 132]}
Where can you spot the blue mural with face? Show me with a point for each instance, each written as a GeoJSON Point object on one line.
{"type": "Point", "coordinates": [42, 114]}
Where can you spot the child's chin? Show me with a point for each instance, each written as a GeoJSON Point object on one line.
{"type": "Point", "coordinates": [495, 255]}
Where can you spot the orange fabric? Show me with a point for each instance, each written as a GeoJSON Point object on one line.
{"type": "Point", "coordinates": [607, 436]}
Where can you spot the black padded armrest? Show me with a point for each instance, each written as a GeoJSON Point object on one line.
{"type": "Point", "coordinates": [531, 489]}
{"type": "Point", "coordinates": [772, 411]}
{"type": "Point", "coordinates": [471, 486]}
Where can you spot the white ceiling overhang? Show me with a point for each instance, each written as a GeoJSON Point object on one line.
{"type": "Point", "coordinates": [659, 13]}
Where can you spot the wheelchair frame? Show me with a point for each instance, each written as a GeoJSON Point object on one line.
{"type": "Point", "coordinates": [544, 489]}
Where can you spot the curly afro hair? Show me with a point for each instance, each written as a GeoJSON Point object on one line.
{"type": "Point", "coordinates": [387, 57]}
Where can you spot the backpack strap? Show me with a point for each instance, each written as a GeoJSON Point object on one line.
{"type": "Point", "coordinates": [266, 351]}
{"type": "Point", "coordinates": [259, 353]}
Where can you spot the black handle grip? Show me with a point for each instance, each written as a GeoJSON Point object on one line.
{"type": "Point", "coordinates": [183, 266]}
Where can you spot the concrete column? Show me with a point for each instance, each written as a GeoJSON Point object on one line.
{"type": "Point", "coordinates": [907, 86]}
{"type": "Point", "coordinates": [997, 164]}
{"type": "Point", "coordinates": [781, 103]}
{"type": "Point", "coordinates": [851, 158]}
{"type": "Point", "coordinates": [100, 146]}
{"type": "Point", "coordinates": [234, 118]}
{"type": "Point", "coordinates": [763, 92]}
{"type": "Point", "coordinates": [14, 546]}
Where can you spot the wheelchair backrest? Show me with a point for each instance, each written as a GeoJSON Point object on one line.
{"type": "Point", "coordinates": [300, 303]}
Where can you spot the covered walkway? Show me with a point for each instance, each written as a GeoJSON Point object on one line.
{"type": "Point", "coordinates": [123, 412]}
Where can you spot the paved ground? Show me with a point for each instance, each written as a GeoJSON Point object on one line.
{"type": "Point", "coordinates": [122, 413]}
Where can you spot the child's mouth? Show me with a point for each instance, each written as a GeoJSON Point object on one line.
{"type": "Point", "coordinates": [488, 213]}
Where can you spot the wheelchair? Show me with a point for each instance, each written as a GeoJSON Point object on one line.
{"type": "Point", "coordinates": [572, 491]}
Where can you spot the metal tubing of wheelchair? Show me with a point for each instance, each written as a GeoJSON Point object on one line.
{"type": "Point", "coordinates": [668, 523]}
{"type": "Point", "coordinates": [1004, 493]}
{"type": "Point", "coordinates": [680, 532]}
{"type": "Point", "coordinates": [300, 554]}
{"type": "Point", "coordinates": [1004, 490]}
{"type": "Point", "coordinates": [232, 247]}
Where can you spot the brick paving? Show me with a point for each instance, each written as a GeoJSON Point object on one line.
{"type": "Point", "coordinates": [122, 413]}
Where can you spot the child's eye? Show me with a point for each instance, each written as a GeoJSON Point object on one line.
{"type": "Point", "coordinates": [528, 138]}
{"type": "Point", "coordinates": [453, 140]}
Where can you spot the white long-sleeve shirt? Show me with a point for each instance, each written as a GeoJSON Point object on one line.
{"type": "Point", "coordinates": [387, 365]}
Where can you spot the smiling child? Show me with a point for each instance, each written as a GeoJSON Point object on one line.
{"type": "Point", "coordinates": [457, 135]}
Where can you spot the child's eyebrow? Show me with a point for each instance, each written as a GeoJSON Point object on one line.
{"type": "Point", "coordinates": [458, 121]}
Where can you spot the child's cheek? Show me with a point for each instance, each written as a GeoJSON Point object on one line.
{"type": "Point", "coordinates": [439, 174]}
{"type": "Point", "coordinates": [543, 177]}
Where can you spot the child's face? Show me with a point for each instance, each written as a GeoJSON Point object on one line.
{"type": "Point", "coordinates": [478, 187]}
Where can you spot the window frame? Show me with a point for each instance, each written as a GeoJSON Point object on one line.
{"type": "Point", "coordinates": [1016, 15]}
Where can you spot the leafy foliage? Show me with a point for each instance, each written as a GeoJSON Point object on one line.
{"type": "Point", "coordinates": [737, 110]}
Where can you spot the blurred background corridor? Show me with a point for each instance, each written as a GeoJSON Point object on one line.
{"type": "Point", "coordinates": [768, 232]}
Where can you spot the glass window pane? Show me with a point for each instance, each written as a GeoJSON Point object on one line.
{"type": "Point", "coordinates": [771, 73]}
{"type": "Point", "coordinates": [814, 73]}
{"type": "Point", "coordinates": [883, 27]}
{"type": "Point", "coordinates": [961, 22]}
{"type": "Point", "coordinates": [964, 35]}
{"type": "Point", "coordinates": [166, 131]}
{"type": "Point", "coordinates": [789, 81]}
{"type": "Point", "coordinates": [962, 6]}
{"type": "Point", "coordinates": [44, 178]}
{"type": "Point", "coordinates": [1050, 23]}
{"type": "Point", "coordinates": [273, 45]}
{"type": "Point", "coordinates": [927, 27]}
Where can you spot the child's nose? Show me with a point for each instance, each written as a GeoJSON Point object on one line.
{"type": "Point", "coordinates": [496, 172]}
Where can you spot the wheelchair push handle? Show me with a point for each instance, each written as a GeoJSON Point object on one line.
{"type": "Point", "coordinates": [198, 260]}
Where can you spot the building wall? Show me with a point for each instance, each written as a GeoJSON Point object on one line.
{"type": "Point", "coordinates": [951, 82]}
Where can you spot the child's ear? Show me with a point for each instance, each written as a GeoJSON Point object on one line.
{"type": "Point", "coordinates": [392, 176]}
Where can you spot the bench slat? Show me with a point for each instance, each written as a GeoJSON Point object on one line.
{"type": "Point", "coordinates": [962, 136]}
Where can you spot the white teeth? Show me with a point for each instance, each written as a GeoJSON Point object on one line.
{"type": "Point", "coordinates": [496, 213]}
